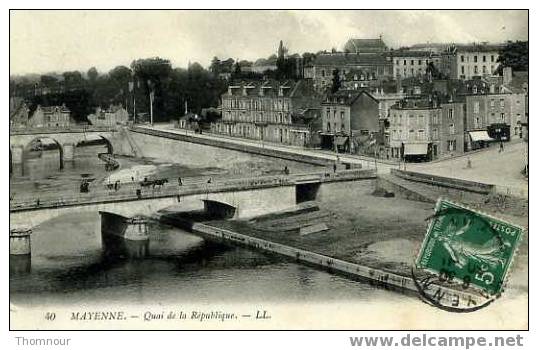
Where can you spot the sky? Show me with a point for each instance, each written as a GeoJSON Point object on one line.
{"type": "Point", "coordinates": [57, 41]}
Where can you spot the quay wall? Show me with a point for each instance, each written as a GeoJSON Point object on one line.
{"type": "Point", "coordinates": [373, 275]}
{"type": "Point", "coordinates": [171, 147]}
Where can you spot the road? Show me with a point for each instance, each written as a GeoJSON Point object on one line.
{"type": "Point", "coordinates": [366, 162]}
{"type": "Point", "coordinates": [490, 166]}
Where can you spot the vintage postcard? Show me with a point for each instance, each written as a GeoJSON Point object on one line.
{"type": "Point", "coordinates": [268, 170]}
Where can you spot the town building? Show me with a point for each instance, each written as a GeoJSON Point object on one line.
{"type": "Point", "coordinates": [262, 65]}
{"type": "Point", "coordinates": [365, 46]}
{"type": "Point", "coordinates": [18, 115]}
{"type": "Point", "coordinates": [350, 122]}
{"type": "Point", "coordinates": [51, 117]}
{"type": "Point", "coordinates": [408, 63]}
{"type": "Point", "coordinates": [372, 67]}
{"type": "Point", "coordinates": [273, 111]}
{"type": "Point", "coordinates": [114, 115]}
{"type": "Point", "coordinates": [414, 130]}
{"type": "Point", "coordinates": [493, 115]}
{"type": "Point", "coordinates": [468, 61]}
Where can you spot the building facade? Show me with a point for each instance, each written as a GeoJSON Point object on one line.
{"type": "Point", "coordinates": [499, 114]}
{"type": "Point", "coordinates": [350, 122]}
{"type": "Point", "coordinates": [408, 63]}
{"type": "Point", "coordinates": [51, 117]}
{"type": "Point", "coordinates": [268, 110]}
{"type": "Point", "coordinates": [468, 61]}
{"type": "Point", "coordinates": [371, 67]}
{"type": "Point", "coordinates": [414, 130]}
{"type": "Point", "coordinates": [18, 117]}
{"type": "Point", "coordinates": [114, 115]}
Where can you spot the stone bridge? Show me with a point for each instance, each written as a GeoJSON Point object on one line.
{"type": "Point", "coordinates": [66, 140]}
{"type": "Point", "coordinates": [249, 196]}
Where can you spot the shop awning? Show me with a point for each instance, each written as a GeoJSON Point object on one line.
{"type": "Point", "coordinates": [411, 149]}
{"type": "Point", "coordinates": [340, 140]}
{"type": "Point", "coordinates": [480, 135]}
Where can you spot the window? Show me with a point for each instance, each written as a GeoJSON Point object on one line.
{"type": "Point", "coordinates": [435, 133]}
{"type": "Point", "coordinates": [475, 58]}
{"type": "Point", "coordinates": [412, 62]}
{"type": "Point", "coordinates": [342, 115]}
{"type": "Point", "coordinates": [421, 120]}
{"type": "Point", "coordinates": [475, 69]}
{"type": "Point", "coordinates": [343, 127]}
{"type": "Point", "coordinates": [411, 134]}
{"type": "Point", "coordinates": [477, 122]}
{"type": "Point", "coordinates": [502, 103]}
{"type": "Point", "coordinates": [420, 135]}
{"type": "Point", "coordinates": [451, 129]}
{"type": "Point", "coordinates": [462, 58]}
{"type": "Point", "coordinates": [328, 126]}
{"type": "Point", "coordinates": [484, 69]}
{"type": "Point", "coordinates": [412, 71]}
{"type": "Point", "coordinates": [492, 103]}
{"type": "Point", "coordinates": [484, 58]}
{"type": "Point", "coordinates": [419, 62]}
{"type": "Point", "coordinates": [405, 62]}
{"type": "Point", "coordinates": [476, 107]}
{"type": "Point", "coordinates": [492, 58]}
{"type": "Point", "coordinates": [475, 89]}
{"type": "Point", "coordinates": [397, 62]}
{"type": "Point", "coordinates": [451, 114]}
{"type": "Point", "coordinates": [462, 70]}
{"type": "Point", "coordinates": [502, 117]}
{"type": "Point", "coordinates": [435, 119]}
{"type": "Point", "coordinates": [451, 145]}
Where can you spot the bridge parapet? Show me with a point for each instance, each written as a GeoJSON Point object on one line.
{"type": "Point", "coordinates": [224, 185]}
{"type": "Point", "coordinates": [51, 130]}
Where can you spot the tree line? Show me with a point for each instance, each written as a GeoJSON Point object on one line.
{"type": "Point", "coordinates": [131, 86]}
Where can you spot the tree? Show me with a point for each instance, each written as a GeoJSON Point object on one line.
{"type": "Point", "coordinates": [48, 80]}
{"type": "Point", "coordinates": [92, 74]}
{"type": "Point", "coordinates": [515, 55]}
{"type": "Point", "coordinates": [336, 83]}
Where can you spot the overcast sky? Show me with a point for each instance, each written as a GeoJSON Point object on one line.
{"type": "Point", "coordinates": [45, 41]}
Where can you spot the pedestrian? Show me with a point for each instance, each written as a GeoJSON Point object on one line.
{"type": "Point", "coordinates": [37, 202]}
{"type": "Point", "coordinates": [469, 163]}
{"type": "Point", "coordinates": [209, 181]}
{"type": "Point", "coordinates": [501, 147]}
{"type": "Point", "coordinates": [334, 167]}
{"type": "Point", "coordinates": [179, 182]}
{"type": "Point", "coordinates": [286, 170]}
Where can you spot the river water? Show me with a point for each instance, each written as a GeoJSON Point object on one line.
{"type": "Point", "coordinates": [68, 264]}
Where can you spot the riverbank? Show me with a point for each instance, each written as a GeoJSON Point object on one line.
{"type": "Point", "coordinates": [366, 237]}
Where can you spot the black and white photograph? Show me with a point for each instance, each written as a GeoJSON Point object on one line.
{"type": "Point", "coordinates": [269, 170]}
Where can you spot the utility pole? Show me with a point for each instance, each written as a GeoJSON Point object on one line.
{"type": "Point", "coordinates": [151, 107]}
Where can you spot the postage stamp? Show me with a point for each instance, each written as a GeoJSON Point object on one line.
{"type": "Point", "coordinates": [470, 247]}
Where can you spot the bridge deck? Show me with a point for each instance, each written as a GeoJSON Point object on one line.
{"type": "Point", "coordinates": [223, 185]}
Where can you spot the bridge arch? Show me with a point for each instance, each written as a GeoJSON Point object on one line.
{"type": "Point", "coordinates": [108, 144]}
{"type": "Point", "coordinates": [25, 149]}
{"type": "Point", "coordinates": [219, 210]}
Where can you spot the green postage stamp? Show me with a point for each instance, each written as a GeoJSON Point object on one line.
{"type": "Point", "coordinates": [467, 246]}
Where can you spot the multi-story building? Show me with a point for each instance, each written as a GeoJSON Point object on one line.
{"type": "Point", "coordinates": [408, 63]}
{"type": "Point", "coordinates": [350, 121]}
{"type": "Point", "coordinates": [372, 66]}
{"type": "Point", "coordinates": [468, 61]}
{"type": "Point", "coordinates": [414, 130]}
{"type": "Point", "coordinates": [18, 116]}
{"type": "Point", "coordinates": [51, 117]}
{"type": "Point", "coordinates": [451, 129]}
{"type": "Point", "coordinates": [269, 110]}
{"type": "Point", "coordinates": [494, 115]}
{"type": "Point", "coordinates": [114, 115]}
